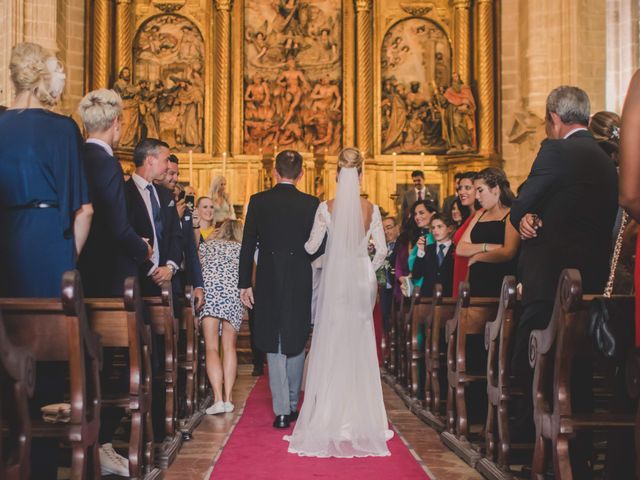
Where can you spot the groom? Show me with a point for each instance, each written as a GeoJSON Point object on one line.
{"type": "Point", "coordinates": [278, 223]}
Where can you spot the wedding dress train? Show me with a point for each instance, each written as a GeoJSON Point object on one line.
{"type": "Point", "coordinates": [343, 413]}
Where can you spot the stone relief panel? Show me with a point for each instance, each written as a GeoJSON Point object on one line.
{"type": "Point", "coordinates": [293, 75]}
{"type": "Point", "coordinates": [164, 95]}
{"type": "Point", "coordinates": [424, 105]}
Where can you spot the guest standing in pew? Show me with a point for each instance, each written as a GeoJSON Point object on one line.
{"type": "Point", "coordinates": [564, 212]}
{"type": "Point", "coordinates": [456, 214]}
{"type": "Point", "coordinates": [152, 214]}
{"type": "Point", "coordinates": [490, 242]}
{"type": "Point", "coordinates": [630, 173]}
{"type": "Point", "coordinates": [190, 269]}
{"type": "Point", "coordinates": [222, 207]}
{"type": "Point", "coordinates": [418, 193]}
{"type": "Point", "coordinates": [203, 225]}
{"type": "Point", "coordinates": [45, 209]}
{"type": "Point", "coordinates": [421, 213]}
{"type": "Point", "coordinates": [386, 274]}
{"type": "Point", "coordinates": [113, 251]}
{"type": "Point", "coordinates": [447, 204]}
{"type": "Point", "coordinates": [223, 311]}
{"type": "Point", "coordinates": [434, 263]}
{"type": "Point", "coordinates": [468, 207]}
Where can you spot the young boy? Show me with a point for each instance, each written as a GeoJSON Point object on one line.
{"type": "Point", "coordinates": [435, 262]}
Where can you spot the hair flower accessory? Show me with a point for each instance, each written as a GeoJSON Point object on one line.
{"type": "Point", "coordinates": [615, 133]}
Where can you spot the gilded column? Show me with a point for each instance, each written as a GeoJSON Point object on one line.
{"type": "Point", "coordinates": [461, 43]}
{"type": "Point", "coordinates": [124, 35]}
{"type": "Point", "coordinates": [221, 83]}
{"type": "Point", "coordinates": [101, 33]}
{"type": "Point", "coordinates": [486, 76]}
{"type": "Point", "coordinates": [364, 77]}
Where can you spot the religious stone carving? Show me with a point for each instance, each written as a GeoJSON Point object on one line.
{"type": "Point", "coordinates": [167, 99]}
{"type": "Point", "coordinates": [424, 107]}
{"type": "Point", "coordinates": [293, 75]}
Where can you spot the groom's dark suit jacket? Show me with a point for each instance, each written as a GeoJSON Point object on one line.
{"type": "Point", "coordinates": [279, 222]}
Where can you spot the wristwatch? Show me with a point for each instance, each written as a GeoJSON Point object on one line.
{"type": "Point", "coordinates": [172, 268]}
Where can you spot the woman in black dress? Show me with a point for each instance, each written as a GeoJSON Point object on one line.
{"type": "Point", "coordinates": [491, 242]}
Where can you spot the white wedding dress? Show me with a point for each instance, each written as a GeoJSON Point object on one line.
{"type": "Point", "coordinates": [343, 412]}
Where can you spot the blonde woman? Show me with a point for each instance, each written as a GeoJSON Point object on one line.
{"type": "Point", "coordinates": [222, 207]}
{"type": "Point", "coordinates": [44, 204]}
{"type": "Point", "coordinates": [223, 311]}
{"type": "Point", "coordinates": [203, 219]}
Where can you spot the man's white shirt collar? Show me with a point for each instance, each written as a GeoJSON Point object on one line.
{"type": "Point", "coordinates": [140, 182]}
{"type": "Point", "coordinates": [102, 144]}
{"type": "Point", "coordinates": [573, 131]}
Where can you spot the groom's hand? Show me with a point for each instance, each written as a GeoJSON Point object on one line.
{"type": "Point", "coordinates": [246, 297]}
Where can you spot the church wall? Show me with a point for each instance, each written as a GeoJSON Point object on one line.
{"type": "Point", "coordinates": [546, 43]}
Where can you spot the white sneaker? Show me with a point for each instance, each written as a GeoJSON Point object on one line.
{"type": "Point", "coordinates": [215, 409]}
{"type": "Point", "coordinates": [111, 463]}
{"type": "Point", "coordinates": [228, 407]}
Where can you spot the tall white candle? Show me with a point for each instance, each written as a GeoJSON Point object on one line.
{"type": "Point", "coordinates": [191, 167]}
{"type": "Point", "coordinates": [224, 163]}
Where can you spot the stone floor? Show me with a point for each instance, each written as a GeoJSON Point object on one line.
{"type": "Point", "coordinates": [197, 457]}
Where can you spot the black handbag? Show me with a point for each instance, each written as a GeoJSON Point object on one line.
{"type": "Point", "coordinates": [602, 312]}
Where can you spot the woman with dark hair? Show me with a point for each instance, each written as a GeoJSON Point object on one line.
{"type": "Point", "coordinates": [491, 242]}
{"type": "Point", "coordinates": [605, 128]}
{"type": "Point", "coordinates": [468, 206]}
{"type": "Point", "coordinates": [416, 232]}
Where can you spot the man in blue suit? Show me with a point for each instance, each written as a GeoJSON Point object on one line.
{"type": "Point", "coordinates": [190, 270]}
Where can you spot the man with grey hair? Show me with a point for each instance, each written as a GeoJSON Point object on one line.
{"type": "Point", "coordinates": [564, 213]}
{"type": "Point", "coordinates": [113, 250]}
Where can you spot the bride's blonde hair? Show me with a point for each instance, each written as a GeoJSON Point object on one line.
{"type": "Point", "coordinates": [350, 157]}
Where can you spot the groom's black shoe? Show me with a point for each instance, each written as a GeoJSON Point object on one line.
{"type": "Point", "coordinates": [293, 416]}
{"type": "Point", "coordinates": [281, 421]}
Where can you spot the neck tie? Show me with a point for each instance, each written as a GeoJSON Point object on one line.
{"type": "Point", "coordinates": [420, 195]}
{"type": "Point", "coordinates": [441, 248]}
{"type": "Point", "coordinates": [155, 210]}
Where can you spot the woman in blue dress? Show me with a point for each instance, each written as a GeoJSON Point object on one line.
{"type": "Point", "coordinates": [45, 211]}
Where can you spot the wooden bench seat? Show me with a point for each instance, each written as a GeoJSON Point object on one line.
{"type": "Point", "coordinates": [57, 331]}
{"type": "Point", "coordinates": [120, 323]}
{"type": "Point", "coordinates": [499, 337]}
{"type": "Point", "coordinates": [165, 326]}
{"type": "Point", "coordinates": [557, 354]}
{"type": "Point", "coordinates": [419, 310]}
{"type": "Point", "coordinates": [470, 318]}
{"type": "Point", "coordinates": [435, 397]}
{"type": "Point", "coordinates": [17, 379]}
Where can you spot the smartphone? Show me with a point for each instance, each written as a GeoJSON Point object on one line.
{"type": "Point", "coordinates": [190, 200]}
{"type": "Point", "coordinates": [181, 195]}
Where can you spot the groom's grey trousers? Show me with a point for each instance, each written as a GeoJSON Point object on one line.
{"type": "Point", "coordinates": [285, 378]}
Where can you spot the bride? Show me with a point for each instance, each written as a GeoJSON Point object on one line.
{"type": "Point", "coordinates": [343, 413]}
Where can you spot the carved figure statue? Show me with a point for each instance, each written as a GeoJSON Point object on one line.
{"type": "Point", "coordinates": [130, 112]}
{"type": "Point", "coordinates": [460, 115]}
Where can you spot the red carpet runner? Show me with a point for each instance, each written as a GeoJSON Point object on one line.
{"type": "Point", "coordinates": [257, 451]}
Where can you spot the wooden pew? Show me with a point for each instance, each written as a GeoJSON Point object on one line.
{"type": "Point", "coordinates": [401, 369]}
{"type": "Point", "coordinates": [499, 337]}
{"type": "Point", "coordinates": [435, 400]}
{"type": "Point", "coordinates": [188, 344]}
{"type": "Point", "coordinates": [17, 379]}
{"type": "Point", "coordinates": [557, 353]}
{"type": "Point", "coordinates": [419, 309]}
{"type": "Point", "coordinates": [165, 325]}
{"type": "Point", "coordinates": [470, 318]}
{"type": "Point", "coordinates": [58, 331]}
{"type": "Point", "coordinates": [120, 324]}
{"type": "Point", "coordinates": [392, 361]}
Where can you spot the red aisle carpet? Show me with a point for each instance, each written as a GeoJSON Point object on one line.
{"type": "Point", "coordinates": [257, 451]}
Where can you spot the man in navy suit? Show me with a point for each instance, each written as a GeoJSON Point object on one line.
{"type": "Point", "coordinates": [113, 250]}
{"type": "Point", "coordinates": [152, 213]}
{"type": "Point", "coordinates": [191, 270]}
